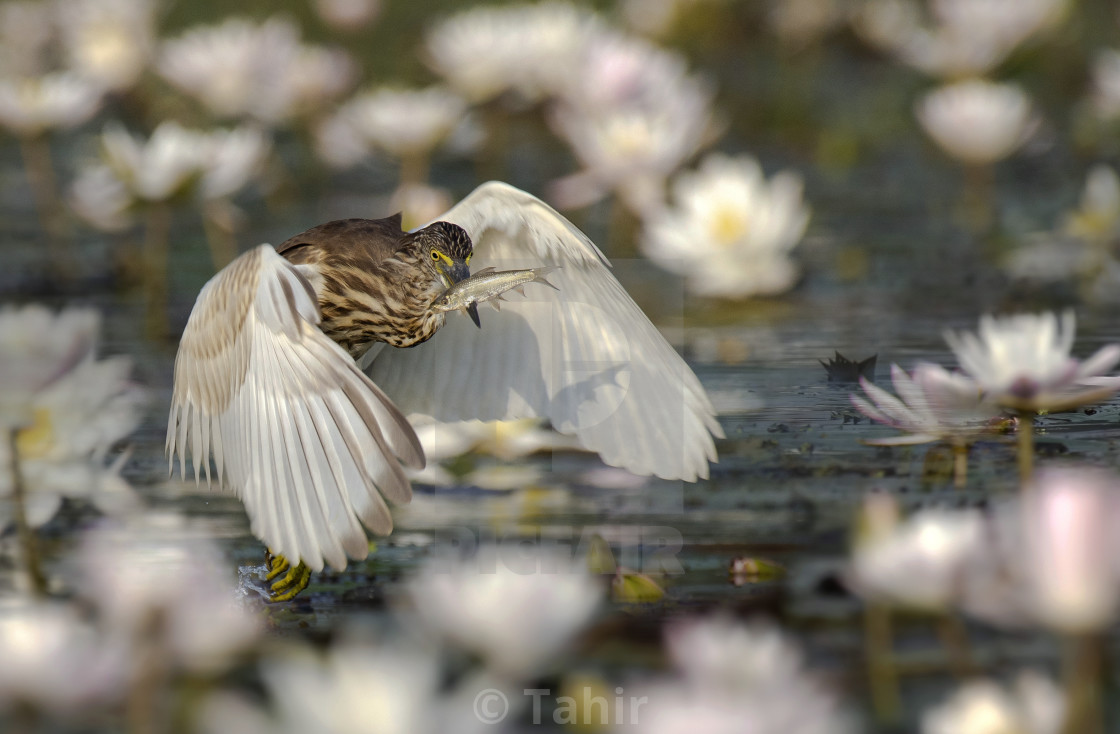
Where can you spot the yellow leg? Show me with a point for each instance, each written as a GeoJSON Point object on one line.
{"type": "Point", "coordinates": [295, 578]}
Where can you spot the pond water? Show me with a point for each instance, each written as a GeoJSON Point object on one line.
{"type": "Point", "coordinates": [889, 264]}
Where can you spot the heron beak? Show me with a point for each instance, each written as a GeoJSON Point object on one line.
{"type": "Point", "coordinates": [472, 311]}
{"type": "Point", "coordinates": [459, 272]}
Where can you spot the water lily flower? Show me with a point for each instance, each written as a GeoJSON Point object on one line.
{"type": "Point", "coordinates": [347, 15]}
{"type": "Point", "coordinates": [407, 124]}
{"type": "Point", "coordinates": [963, 38]}
{"type": "Point", "coordinates": [933, 404]}
{"type": "Point", "coordinates": [62, 452]}
{"type": "Point", "coordinates": [241, 69]}
{"type": "Point", "coordinates": [109, 41]}
{"type": "Point", "coordinates": [101, 198]}
{"type": "Point", "coordinates": [729, 230]}
{"type": "Point", "coordinates": [57, 663]}
{"type": "Point", "coordinates": [977, 122]}
{"type": "Point", "coordinates": [1032, 705]}
{"type": "Point", "coordinates": [32, 106]}
{"type": "Point", "coordinates": [158, 580]}
{"type": "Point", "coordinates": [735, 678]}
{"type": "Point", "coordinates": [529, 50]}
{"type": "Point", "coordinates": [513, 607]}
{"type": "Point", "coordinates": [159, 168]}
{"type": "Point", "coordinates": [920, 562]}
{"type": "Point", "coordinates": [1023, 362]}
{"type": "Point", "coordinates": [37, 347]}
{"type": "Point", "coordinates": [233, 158]}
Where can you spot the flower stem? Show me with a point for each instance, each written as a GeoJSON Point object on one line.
{"type": "Point", "coordinates": [26, 533]}
{"type": "Point", "coordinates": [954, 636]}
{"type": "Point", "coordinates": [1026, 447]}
{"type": "Point", "coordinates": [979, 203]}
{"type": "Point", "coordinates": [156, 232]}
{"type": "Point", "coordinates": [43, 183]}
{"type": "Point", "coordinates": [878, 652]}
{"type": "Point", "coordinates": [146, 698]}
{"type": "Point", "coordinates": [960, 465]}
{"type": "Point", "coordinates": [1083, 686]}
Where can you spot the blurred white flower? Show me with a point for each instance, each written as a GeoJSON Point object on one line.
{"type": "Point", "coordinates": [1097, 218]}
{"type": "Point", "coordinates": [736, 678]}
{"type": "Point", "coordinates": [1106, 83]}
{"type": "Point", "coordinates": [347, 15]}
{"type": "Point", "coordinates": [77, 419]}
{"type": "Point", "coordinates": [1023, 362]}
{"type": "Point", "coordinates": [37, 347]}
{"type": "Point", "coordinates": [233, 158]}
{"type": "Point", "coordinates": [920, 562]}
{"type": "Point", "coordinates": [963, 38]}
{"type": "Point", "coordinates": [156, 580]}
{"type": "Point", "coordinates": [56, 662]}
{"type": "Point", "coordinates": [30, 106]}
{"type": "Point", "coordinates": [516, 608]}
{"type": "Point", "coordinates": [933, 404]}
{"type": "Point", "coordinates": [242, 69]}
{"type": "Point", "coordinates": [1052, 555]}
{"type": "Point", "coordinates": [977, 122]}
{"type": "Point", "coordinates": [108, 41]}
{"type": "Point", "coordinates": [618, 70]}
{"type": "Point", "coordinates": [404, 122]}
{"type": "Point", "coordinates": [1033, 705]}
{"type": "Point", "coordinates": [101, 198]}
{"type": "Point", "coordinates": [729, 230]}
{"type": "Point", "coordinates": [159, 168]}
{"type": "Point", "coordinates": [528, 49]}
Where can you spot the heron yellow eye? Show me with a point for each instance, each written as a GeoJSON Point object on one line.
{"type": "Point", "coordinates": [435, 255]}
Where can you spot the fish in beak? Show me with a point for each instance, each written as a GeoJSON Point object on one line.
{"type": "Point", "coordinates": [460, 272]}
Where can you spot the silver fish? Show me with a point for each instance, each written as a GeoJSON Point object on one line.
{"type": "Point", "coordinates": [488, 284]}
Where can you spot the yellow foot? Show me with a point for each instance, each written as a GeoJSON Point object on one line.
{"type": "Point", "coordinates": [291, 583]}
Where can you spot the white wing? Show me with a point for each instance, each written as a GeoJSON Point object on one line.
{"type": "Point", "coordinates": [301, 434]}
{"type": "Point", "coordinates": [584, 356]}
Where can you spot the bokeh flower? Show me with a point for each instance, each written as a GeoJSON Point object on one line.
{"type": "Point", "coordinates": [32, 106]}
{"type": "Point", "coordinates": [55, 662]}
{"type": "Point", "coordinates": [529, 49]}
{"type": "Point", "coordinates": [241, 69]}
{"type": "Point", "coordinates": [729, 230]}
{"type": "Point", "coordinates": [156, 169]}
{"type": "Point", "coordinates": [347, 15]}
{"type": "Point", "coordinates": [976, 121]}
{"type": "Point", "coordinates": [160, 582]}
{"type": "Point", "coordinates": [1106, 84]}
{"type": "Point", "coordinates": [1032, 705]}
{"type": "Point", "coordinates": [516, 608]}
{"type": "Point", "coordinates": [108, 41]}
{"type": "Point", "coordinates": [1023, 362]}
{"type": "Point", "coordinates": [933, 404]}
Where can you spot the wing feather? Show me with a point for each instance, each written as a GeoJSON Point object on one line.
{"type": "Point", "coordinates": [309, 443]}
{"type": "Point", "coordinates": [584, 356]}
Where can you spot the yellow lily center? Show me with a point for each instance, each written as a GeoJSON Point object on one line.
{"type": "Point", "coordinates": [729, 225]}
{"type": "Point", "coordinates": [36, 440]}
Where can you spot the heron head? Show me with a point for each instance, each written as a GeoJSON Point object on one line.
{"type": "Point", "coordinates": [446, 249]}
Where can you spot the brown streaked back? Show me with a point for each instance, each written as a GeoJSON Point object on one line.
{"type": "Point", "coordinates": [356, 240]}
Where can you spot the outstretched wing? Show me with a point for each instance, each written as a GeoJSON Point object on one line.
{"type": "Point", "coordinates": [584, 356]}
{"type": "Point", "coordinates": [302, 435]}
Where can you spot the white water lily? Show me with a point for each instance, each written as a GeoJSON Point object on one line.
{"type": "Point", "coordinates": [404, 122]}
{"type": "Point", "coordinates": [977, 122]}
{"type": "Point", "coordinates": [31, 106]}
{"type": "Point", "coordinates": [56, 662]}
{"type": "Point", "coordinates": [736, 678]}
{"type": "Point", "coordinates": [241, 69]}
{"type": "Point", "coordinates": [159, 168]}
{"type": "Point", "coordinates": [514, 607]}
{"type": "Point", "coordinates": [933, 404]}
{"type": "Point", "coordinates": [76, 420]}
{"type": "Point", "coordinates": [920, 562]}
{"type": "Point", "coordinates": [1023, 362]}
{"type": "Point", "coordinates": [233, 158]}
{"type": "Point", "coordinates": [160, 581]}
{"type": "Point", "coordinates": [38, 347]}
{"type": "Point", "coordinates": [1032, 705]}
{"type": "Point", "coordinates": [730, 231]}
{"type": "Point", "coordinates": [530, 49]}
{"type": "Point", "coordinates": [109, 41]}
